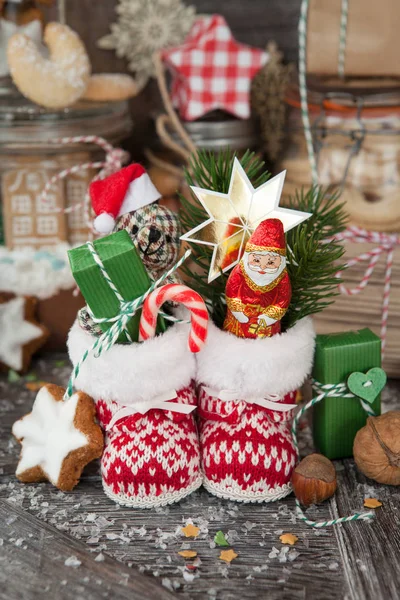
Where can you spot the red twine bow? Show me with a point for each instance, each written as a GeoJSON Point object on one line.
{"type": "Point", "coordinates": [385, 243]}
{"type": "Point", "coordinates": [114, 159]}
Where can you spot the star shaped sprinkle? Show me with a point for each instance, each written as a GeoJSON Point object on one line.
{"type": "Point", "coordinates": [372, 503]}
{"type": "Point", "coordinates": [288, 538]}
{"type": "Point", "coordinates": [234, 216]}
{"type": "Point", "coordinates": [58, 438]}
{"type": "Point", "coordinates": [21, 335]}
{"type": "Point", "coordinates": [190, 530]}
{"type": "Point", "coordinates": [188, 553]}
{"type": "Point", "coordinates": [228, 555]}
{"type": "Point", "coordinates": [212, 70]}
{"type": "Point", "coordinates": [34, 386]}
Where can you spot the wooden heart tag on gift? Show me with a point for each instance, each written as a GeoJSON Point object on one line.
{"type": "Point", "coordinates": [367, 385]}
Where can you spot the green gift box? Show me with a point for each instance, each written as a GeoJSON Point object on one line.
{"type": "Point", "coordinates": [125, 269]}
{"type": "Point", "coordinates": [336, 420]}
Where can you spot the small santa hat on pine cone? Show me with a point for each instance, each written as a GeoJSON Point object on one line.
{"type": "Point", "coordinates": [268, 237]}
{"type": "Point", "coordinates": [122, 192]}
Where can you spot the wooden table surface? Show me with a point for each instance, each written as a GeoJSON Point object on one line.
{"type": "Point", "coordinates": [80, 545]}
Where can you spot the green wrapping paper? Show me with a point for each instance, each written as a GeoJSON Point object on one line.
{"type": "Point", "coordinates": [336, 420]}
{"type": "Point", "coordinates": [126, 270]}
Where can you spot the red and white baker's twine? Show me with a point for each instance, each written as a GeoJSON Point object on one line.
{"type": "Point", "coordinates": [385, 243]}
{"type": "Point", "coordinates": [114, 159]}
{"type": "Point", "coordinates": [175, 292]}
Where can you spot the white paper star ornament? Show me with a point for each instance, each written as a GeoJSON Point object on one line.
{"type": "Point", "coordinates": [59, 438]}
{"type": "Point", "coordinates": [234, 216]}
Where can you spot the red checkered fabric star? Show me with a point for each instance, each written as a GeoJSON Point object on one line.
{"type": "Point", "coordinates": [212, 70]}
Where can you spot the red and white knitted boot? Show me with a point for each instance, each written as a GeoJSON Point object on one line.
{"type": "Point", "coordinates": [151, 455]}
{"type": "Point", "coordinates": [246, 403]}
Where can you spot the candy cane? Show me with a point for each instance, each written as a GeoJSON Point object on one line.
{"type": "Point", "coordinates": [175, 292]}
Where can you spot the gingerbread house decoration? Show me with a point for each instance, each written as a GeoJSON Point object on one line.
{"type": "Point", "coordinates": [31, 221]}
{"type": "Point", "coordinates": [76, 186]}
{"type": "Point", "coordinates": [28, 220]}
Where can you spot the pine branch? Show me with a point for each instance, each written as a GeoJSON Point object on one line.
{"type": "Point", "coordinates": [312, 263]}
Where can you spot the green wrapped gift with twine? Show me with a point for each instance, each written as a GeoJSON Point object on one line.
{"type": "Point", "coordinates": [336, 419]}
{"type": "Point", "coordinates": [110, 275]}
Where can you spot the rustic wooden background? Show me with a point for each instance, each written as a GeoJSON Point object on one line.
{"type": "Point", "coordinates": [254, 22]}
{"type": "Point", "coordinates": [119, 553]}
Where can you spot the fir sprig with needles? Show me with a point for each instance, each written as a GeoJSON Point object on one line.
{"type": "Point", "coordinates": [312, 260]}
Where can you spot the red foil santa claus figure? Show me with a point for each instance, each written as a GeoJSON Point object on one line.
{"type": "Point", "coordinates": [258, 290]}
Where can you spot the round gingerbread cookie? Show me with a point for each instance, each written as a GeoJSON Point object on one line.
{"type": "Point", "coordinates": [108, 87]}
{"type": "Point", "coordinates": [372, 209]}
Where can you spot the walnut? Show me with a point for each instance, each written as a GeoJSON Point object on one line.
{"type": "Point", "coordinates": [377, 448]}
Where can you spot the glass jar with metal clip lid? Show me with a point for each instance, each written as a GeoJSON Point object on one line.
{"type": "Point", "coordinates": [356, 136]}
{"type": "Point", "coordinates": [35, 145]}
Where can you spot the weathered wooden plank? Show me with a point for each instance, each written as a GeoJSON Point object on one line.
{"type": "Point", "coordinates": [150, 540]}
{"type": "Point", "coordinates": [371, 552]}
{"type": "Point", "coordinates": [37, 560]}
{"type": "Point", "coordinates": [325, 564]}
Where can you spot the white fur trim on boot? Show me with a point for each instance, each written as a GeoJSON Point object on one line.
{"type": "Point", "coordinates": [275, 365]}
{"type": "Point", "coordinates": [134, 372]}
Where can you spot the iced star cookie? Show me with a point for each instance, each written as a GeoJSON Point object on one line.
{"type": "Point", "coordinates": [58, 438]}
{"type": "Point", "coordinates": [21, 335]}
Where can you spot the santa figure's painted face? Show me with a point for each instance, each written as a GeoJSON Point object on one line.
{"type": "Point", "coordinates": [264, 263]}
{"type": "Point", "coordinates": [263, 267]}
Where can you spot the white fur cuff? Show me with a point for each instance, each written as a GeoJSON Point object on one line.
{"type": "Point", "coordinates": [134, 372]}
{"type": "Point", "coordinates": [275, 365]}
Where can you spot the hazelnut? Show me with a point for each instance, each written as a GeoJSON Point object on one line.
{"type": "Point", "coordinates": [314, 479]}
